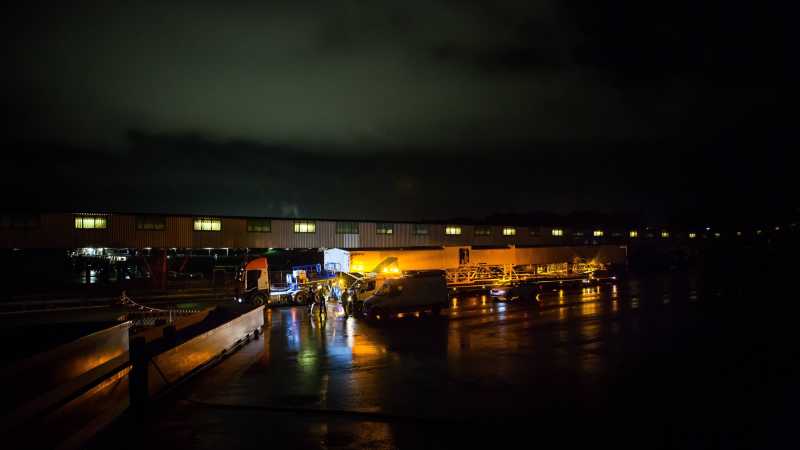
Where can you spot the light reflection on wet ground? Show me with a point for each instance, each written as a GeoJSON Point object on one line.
{"type": "Point", "coordinates": [587, 355]}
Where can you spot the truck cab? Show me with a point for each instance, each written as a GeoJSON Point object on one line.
{"type": "Point", "coordinates": [254, 284]}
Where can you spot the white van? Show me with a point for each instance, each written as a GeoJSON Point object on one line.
{"type": "Point", "coordinates": [417, 291]}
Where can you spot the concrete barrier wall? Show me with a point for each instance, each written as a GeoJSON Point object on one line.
{"type": "Point", "coordinates": [86, 402]}
{"type": "Point", "coordinates": [172, 365]}
{"type": "Point", "coordinates": [152, 333]}
{"type": "Point", "coordinates": [55, 374]}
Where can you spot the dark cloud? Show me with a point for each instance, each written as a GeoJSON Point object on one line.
{"type": "Point", "coordinates": [282, 107]}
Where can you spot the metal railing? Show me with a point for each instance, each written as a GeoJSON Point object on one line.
{"type": "Point", "coordinates": [493, 274]}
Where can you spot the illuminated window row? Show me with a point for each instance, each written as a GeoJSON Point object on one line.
{"type": "Point", "coordinates": [207, 224]}
{"type": "Point", "coordinates": [158, 223]}
{"type": "Point", "coordinates": [90, 222]}
{"type": "Point", "coordinates": [452, 230]}
{"type": "Point", "coordinates": [305, 226]}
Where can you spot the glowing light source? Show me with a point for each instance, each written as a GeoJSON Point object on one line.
{"type": "Point", "coordinates": [597, 233]}
{"type": "Point", "coordinates": [452, 230]}
{"type": "Point", "coordinates": [305, 226]}
{"type": "Point", "coordinates": [557, 232]}
{"type": "Point", "coordinates": [86, 222]}
{"type": "Point", "coordinates": [207, 224]}
{"type": "Point", "coordinates": [665, 234]}
{"type": "Point", "coordinates": [692, 235]}
{"type": "Point", "coordinates": [633, 234]}
{"type": "Point", "coordinates": [509, 231]}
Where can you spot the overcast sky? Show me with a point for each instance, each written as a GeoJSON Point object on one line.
{"type": "Point", "coordinates": [406, 110]}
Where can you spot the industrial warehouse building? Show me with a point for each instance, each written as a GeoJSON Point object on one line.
{"type": "Point", "coordinates": [78, 230]}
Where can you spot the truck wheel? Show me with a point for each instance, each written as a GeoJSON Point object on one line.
{"type": "Point", "coordinates": [258, 299]}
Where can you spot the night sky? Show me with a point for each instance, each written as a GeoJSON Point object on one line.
{"type": "Point", "coordinates": [400, 110]}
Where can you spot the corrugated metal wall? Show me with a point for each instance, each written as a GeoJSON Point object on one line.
{"type": "Point", "coordinates": [58, 231]}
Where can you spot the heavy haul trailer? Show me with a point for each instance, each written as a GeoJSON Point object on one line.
{"type": "Point", "coordinates": [446, 258]}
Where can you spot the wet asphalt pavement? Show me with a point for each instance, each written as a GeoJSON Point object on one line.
{"type": "Point", "coordinates": [658, 362]}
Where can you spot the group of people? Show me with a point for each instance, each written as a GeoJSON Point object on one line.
{"type": "Point", "coordinates": [324, 292]}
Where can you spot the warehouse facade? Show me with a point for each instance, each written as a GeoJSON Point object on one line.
{"type": "Point", "coordinates": [77, 230]}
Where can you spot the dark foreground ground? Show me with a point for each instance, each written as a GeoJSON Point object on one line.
{"type": "Point", "coordinates": [656, 361]}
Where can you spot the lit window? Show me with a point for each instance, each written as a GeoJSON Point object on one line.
{"type": "Point", "coordinates": [483, 231]}
{"type": "Point", "coordinates": [420, 229]}
{"type": "Point", "coordinates": [346, 227]}
{"type": "Point", "coordinates": [633, 234]}
{"type": "Point", "coordinates": [665, 234]}
{"type": "Point", "coordinates": [90, 222]}
{"type": "Point", "coordinates": [558, 232]}
{"type": "Point", "coordinates": [207, 224]}
{"type": "Point", "coordinates": [692, 235]}
{"type": "Point", "coordinates": [384, 228]}
{"type": "Point", "coordinates": [597, 233]}
{"type": "Point", "coordinates": [716, 235]}
{"type": "Point", "coordinates": [452, 230]}
{"type": "Point", "coordinates": [151, 223]}
{"type": "Point", "coordinates": [509, 231]}
{"type": "Point", "coordinates": [305, 226]}
{"type": "Point", "coordinates": [259, 225]}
